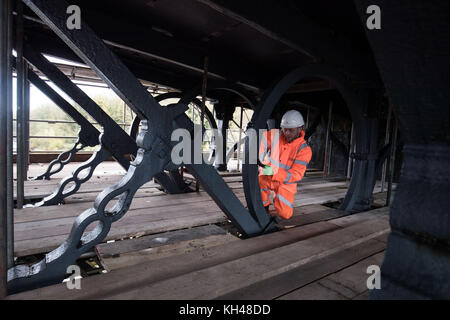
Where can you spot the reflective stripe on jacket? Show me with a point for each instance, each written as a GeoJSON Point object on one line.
{"type": "Point", "coordinates": [288, 160]}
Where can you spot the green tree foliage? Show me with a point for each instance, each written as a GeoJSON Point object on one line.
{"type": "Point", "coordinates": [110, 104]}
{"type": "Point", "coordinates": [114, 107]}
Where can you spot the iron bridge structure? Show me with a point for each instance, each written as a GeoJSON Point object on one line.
{"type": "Point", "coordinates": [265, 56]}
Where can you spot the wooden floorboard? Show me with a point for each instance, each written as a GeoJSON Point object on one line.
{"type": "Point", "coordinates": [39, 189]}
{"type": "Point", "coordinates": [154, 214]}
{"type": "Point", "coordinates": [42, 229]}
{"type": "Point", "coordinates": [168, 246]}
{"type": "Point", "coordinates": [119, 247]}
{"type": "Point", "coordinates": [149, 192]}
{"type": "Point", "coordinates": [283, 284]}
{"type": "Point", "coordinates": [43, 188]}
{"type": "Point", "coordinates": [153, 271]}
{"type": "Point", "coordinates": [141, 226]}
{"type": "Point", "coordinates": [190, 274]}
{"type": "Point", "coordinates": [313, 214]}
{"type": "Point", "coordinates": [36, 189]}
{"type": "Point", "coordinates": [348, 283]}
{"type": "Point", "coordinates": [130, 259]}
{"type": "Point", "coordinates": [73, 210]}
{"type": "Point", "coordinates": [214, 282]}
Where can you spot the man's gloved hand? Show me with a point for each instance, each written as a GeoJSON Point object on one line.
{"type": "Point", "coordinates": [267, 171]}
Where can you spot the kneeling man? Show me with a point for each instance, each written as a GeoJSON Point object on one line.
{"type": "Point", "coordinates": [285, 156]}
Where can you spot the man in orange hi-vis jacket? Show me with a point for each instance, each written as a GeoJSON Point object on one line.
{"type": "Point", "coordinates": [285, 156]}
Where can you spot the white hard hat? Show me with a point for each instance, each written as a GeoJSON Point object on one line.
{"type": "Point", "coordinates": [292, 119]}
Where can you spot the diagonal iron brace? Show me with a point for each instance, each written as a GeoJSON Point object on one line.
{"type": "Point", "coordinates": [87, 136]}
{"type": "Point", "coordinates": [115, 140]}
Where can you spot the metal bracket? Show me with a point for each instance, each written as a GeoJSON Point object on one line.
{"type": "Point", "coordinates": [70, 185]}
{"type": "Point", "coordinates": [62, 159]}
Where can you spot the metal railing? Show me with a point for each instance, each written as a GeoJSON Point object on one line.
{"type": "Point", "coordinates": [123, 124]}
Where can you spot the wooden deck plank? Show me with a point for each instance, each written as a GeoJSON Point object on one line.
{"type": "Point", "coordinates": [41, 224]}
{"type": "Point", "coordinates": [152, 271]}
{"type": "Point", "coordinates": [119, 247]}
{"type": "Point", "coordinates": [40, 189]}
{"type": "Point", "coordinates": [362, 216]}
{"type": "Point", "coordinates": [217, 281]}
{"type": "Point", "coordinates": [73, 210]}
{"type": "Point", "coordinates": [298, 211]}
{"type": "Point", "coordinates": [141, 222]}
{"type": "Point", "coordinates": [90, 197]}
{"type": "Point", "coordinates": [193, 258]}
{"type": "Point", "coordinates": [130, 259]}
{"type": "Point", "coordinates": [46, 244]}
{"type": "Point", "coordinates": [314, 291]}
{"type": "Point", "coordinates": [53, 227]}
{"type": "Point", "coordinates": [306, 276]}
{"type": "Point", "coordinates": [314, 213]}
{"type": "Point", "coordinates": [354, 278]}
{"type": "Point", "coordinates": [38, 228]}
{"type": "Point", "coordinates": [349, 283]}
{"type": "Point", "coordinates": [34, 189]}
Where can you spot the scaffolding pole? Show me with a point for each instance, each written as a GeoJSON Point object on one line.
{"type": "Point", "coordinates": [327, 140]}
{"type": "Point", "coordinates": [350, 149]}
{"type": "Point", "coordinates": [9, 143]}
{"type": "Point", "coordinates": [202, 114]}
{"type": "Point", "coordinates": [124, 115]}
{"type": "Point", "coordinates": [5, 99]}
{"type": "Point", "coordinates": [307, 118]}
{"type": "Point", "coordinates": [330, 149]}
{"type": "Point", "coordinates": [239, 140]}
{"type": "Point", "coordinates": [20, 125]}
{"type": "Point", "coordinates": [386, 141]}
{"type": "Point", "coordinates": [26, 115]}
{"type": "Point", "coordinates": [391, 163]}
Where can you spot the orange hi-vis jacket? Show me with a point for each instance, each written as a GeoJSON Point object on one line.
{"type": "Point", "coordinates": [289, 162]}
